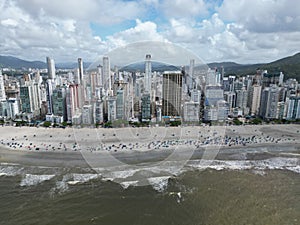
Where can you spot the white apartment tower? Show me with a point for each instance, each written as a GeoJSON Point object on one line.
{"type": "Point", "coordinates": [51, 68]}
{"type": "Point", "coordinates": [2, 88]}
{"type": "Point", "coordinates": [148, 74]}
{"type": "Point", "coordinates": [106, 73]}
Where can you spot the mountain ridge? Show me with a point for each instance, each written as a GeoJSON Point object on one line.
{"type": "Point", "coordinates": [290, 66]}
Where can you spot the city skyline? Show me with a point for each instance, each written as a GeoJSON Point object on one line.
{"type": "Point", "coordinates": [229, 30]}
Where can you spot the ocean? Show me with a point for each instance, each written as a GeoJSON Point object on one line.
{"type": "Point", "coordinates": [256, 191]}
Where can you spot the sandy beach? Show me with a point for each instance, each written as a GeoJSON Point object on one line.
{"type": "Point", "coordinates": [68, 147]}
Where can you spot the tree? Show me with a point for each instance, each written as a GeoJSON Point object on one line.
{"type": "Point", "coordinates": [237, 122]}
{"type": "Point", "coordinates": [47, 124]}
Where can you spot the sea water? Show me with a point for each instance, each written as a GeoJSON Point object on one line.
{"type": "Point", "coordinates": [264, 191]}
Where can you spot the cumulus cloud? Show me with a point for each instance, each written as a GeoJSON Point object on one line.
{"type": "Point", "coordinates": [184, 8]}
{"type": "Point", "coordinates": [104, 12]}
{"type": "Point", "coordinates": [143, 31]}
{"type": "Point", "coordinates": [262, 16]}
{"type": "Point", "coordinates": [230, 30]}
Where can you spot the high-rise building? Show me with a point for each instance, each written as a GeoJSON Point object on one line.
{"type": "Point", "coordinates": [241, 98]}
{"type": "Point", "coordinates": [146, 107]}
{"type": "Point", "coordinates": [107, 74]}
{"type": "Point", "coordinates": [120, 112]}
{"type": "Point", "coordinates": [111, 108]}
{"type": "Point", "coordinates": [27, 96]}
{"type": "Point", "coordinates": [87, 115]}
{"type": "Point", "coordinates": [50, 85]}
{"type": "Point", "coordinates": [172, 94]}
{"type": "Point", "coordinates": [269, 102]}
{"type": "Point", "coordinates": [51, 68]}
{"type": "Point", "coordinates": [98, 112]}
{"type": "Point", "coordinates": [148, 74]}
{"type": "Point", "coordinates": [293, 110]}
{"type": "Point", "coordinates": [80, 69]}
{"type": "Point", "coordinates": [191, 111]}
{"type": "Point", "coordinates": [211, 77]}
{"type": "Point", "coordinates": [59, 102]}
{"type": "Point", "coordinates": [72, 101]}
{"type": "Point", "coordinates": [2, 88]}
{"type": "Point", "coordinates": [254, 98]}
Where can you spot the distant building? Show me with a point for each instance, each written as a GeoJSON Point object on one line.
{"type": "Point", "coordinates": [51, 68]}
{"type": "Point", "coordinates": [108, 81]}
{"type": "Point", "coordinates": [80, 69]}
{"type": "Point", "coordinates": [148, 74]}
{"type": "Point", "coordinates": [2, 87]}
{"type": "Point", "coordinates": [172, 94]}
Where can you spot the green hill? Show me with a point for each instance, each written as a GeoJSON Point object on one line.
{"type": "Point", "coordinates": [290, 66]}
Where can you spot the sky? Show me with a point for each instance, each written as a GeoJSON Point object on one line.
{"type": "Point", "coordinates": [243, 31]}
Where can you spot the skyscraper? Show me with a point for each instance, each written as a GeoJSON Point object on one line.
{"type": "Point", "coordinates": [106, 73]}
{"type": "Point", "coordinates": [148, 74]}
{"type": "Point", "coordinates": [59, 102]}
{"type": "Point", "coordinates": [269, 102]}
{"type": "Point", "coordinates": [51, 68]}
{"type": "Point", "coordinates": [172, 94]}
{"type": "Point", "coordinates": [254, 98]}
{"type": "Point", "coordinates": [2, 88]}
{"type": "Point", "coordinates": [80, 68]}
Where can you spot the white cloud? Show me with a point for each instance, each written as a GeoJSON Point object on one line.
{"type": "Point", "coordinates": [9, 22]}
{"type": "Point", "coordinates": [141, 32]}
{"type": "Point", "coordinates": [239, 30]}
{"type": "Point", "coordinates": [184, 8]}
{"type": "Point", "coordinates": [262, 15]}
{"type": "Point", "coordinates": [103, 12]}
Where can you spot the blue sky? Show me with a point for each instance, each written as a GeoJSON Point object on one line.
{"type": "Point", "coordinates": [226, 30]}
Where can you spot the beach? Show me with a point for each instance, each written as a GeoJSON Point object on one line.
{"type": "Point", "coordinates": [71, 146]}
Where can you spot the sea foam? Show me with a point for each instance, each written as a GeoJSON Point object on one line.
{"type": "Point", "coordinates": [32, 179]}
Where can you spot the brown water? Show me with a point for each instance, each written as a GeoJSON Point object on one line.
{"type": "Point", "coordinates": [206, 197]}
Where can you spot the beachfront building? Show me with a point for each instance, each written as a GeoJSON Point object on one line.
{"type": "Point", "coordinates": [254, 98]}
{"type": "Point", "coordinates": [172, 94]}
{"type": "Point", "coordinates": [269, 102]}
{"type": "Point", "coordinates": [191, 112]}
{"type": "Point", "coordinates": [242, 100]}
{"type": "Point", "coordinates": [215, 107]}
{"type": "Point", "coordinates": [99, 112]}
{"type": "Point", "coordinates": [111, 108]}
{"type": "Point", "coordinates": [146, 107]}
{"type": "Point", "coordinates": [59, 102]}
{"type": "Point", "coordinates": [9, 108]}
{"type": "Point", "coordinates": [120, 104]}
{"type": "Point", "coordinates": [293, 108]}
{"type": "Point", "coordinates": [30, 98]}
{"type": "Point", "coordinates": [87, 115]}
